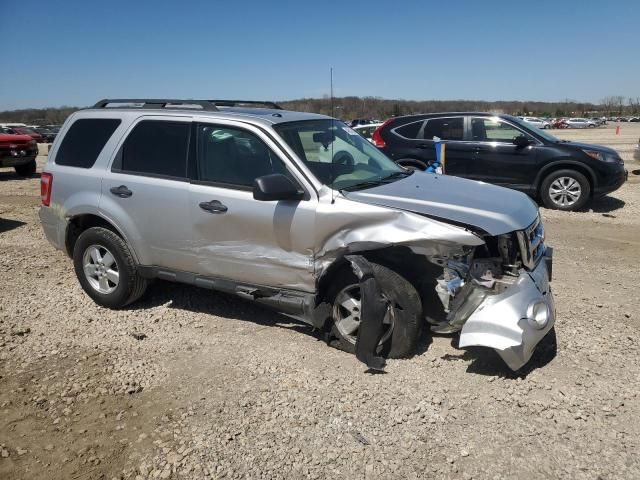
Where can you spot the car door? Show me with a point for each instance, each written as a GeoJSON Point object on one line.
{"type": "Point", "coordinates": [239, 238]}
{"type": "Point", "coordinates": [145, 191]}
{"type": "Point", "coordinates": [496, 158]}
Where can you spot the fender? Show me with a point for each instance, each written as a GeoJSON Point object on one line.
{"type": "Point", "coordinates": [563, 162]}
{"type": "Point", "coordinates": [97, 213]}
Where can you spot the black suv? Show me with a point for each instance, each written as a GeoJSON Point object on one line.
{"type": "Point", "coordinates": [506, 151]}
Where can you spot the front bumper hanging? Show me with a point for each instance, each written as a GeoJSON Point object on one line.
{"type": "Point", "coordinates": [514, 321]}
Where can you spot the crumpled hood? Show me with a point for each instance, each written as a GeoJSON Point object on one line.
{"type": "Point", "coordinates": [496, 210]}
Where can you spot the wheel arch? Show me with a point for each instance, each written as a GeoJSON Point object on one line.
{"type": "Point", "coordinates": [415, 268]}
{"type": "Point", "coordinates": [566, 165]}
{"type": "Point", "coordinates": [81, 222]}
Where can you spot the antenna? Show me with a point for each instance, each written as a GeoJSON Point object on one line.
{"type": "Point", "coordinates": [333, 173]}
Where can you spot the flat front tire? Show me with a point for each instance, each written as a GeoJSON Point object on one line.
{"type": "Point", "coordinates": [106, 269]}
{"type": "Point", "coordinates": [402, 323]}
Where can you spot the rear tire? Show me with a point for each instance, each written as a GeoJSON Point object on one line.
{"type": "Point", "coordinates": [412, 164]}
{"type": "Point", "coordinates": [26, 170]}
{"type": "Point", "coordinates": [566, 190]}
{"type": "Point", "coordinates": [405, 328]}
{"type": "Point", "coordinates": [106, 269]}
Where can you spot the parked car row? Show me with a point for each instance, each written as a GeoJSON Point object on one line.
{"type": "Point", "coordinates": [41, 134]}
{"type": "Point", "coordinates": [506, 151]}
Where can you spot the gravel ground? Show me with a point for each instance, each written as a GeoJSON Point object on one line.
{"type": "Point", "coordinates": [192, 384]}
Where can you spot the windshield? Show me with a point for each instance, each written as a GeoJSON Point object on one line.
{"type": "Point", "coordinates": [538, 131]}
{"type": "Point", "coordinates": [337, 155]}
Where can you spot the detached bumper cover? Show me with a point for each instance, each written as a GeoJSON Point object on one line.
{"type": "Point", "coordinates": [501, 322]}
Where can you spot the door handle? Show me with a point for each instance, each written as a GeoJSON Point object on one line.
{"type": "Point", "coordinates": [423, 145]}
{"type": "Point", "coordinates": [122, 191]}
{"type": "Point", "coordinates": [214, 206]}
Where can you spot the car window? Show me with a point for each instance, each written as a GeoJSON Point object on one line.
{"type": "Point", "coordinates": [84, 141]}
{"type": "Point", "coordinates": [156, 148]}
{"type": "Point", "coordinates": [444, 128]}
{"type": "Point", "coordinates": [410, 130]}
{"type": "Point", "coordinates": [493, 130]}
{"type": "Point", "coordinates": [236, 157]}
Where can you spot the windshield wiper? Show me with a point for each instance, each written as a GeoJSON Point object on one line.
{"type": "Point", "coordinates": [400, 174]}
{"type": "Point", "coordinates": [365, 184]}
{"type": "Point", "coordinates": [378, 181]}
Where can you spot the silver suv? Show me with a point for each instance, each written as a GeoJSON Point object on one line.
{"type": "Point", "coordinates": [263, 203]}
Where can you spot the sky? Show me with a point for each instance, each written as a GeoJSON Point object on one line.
{"type": "Point", "coordinates": [77, 52]}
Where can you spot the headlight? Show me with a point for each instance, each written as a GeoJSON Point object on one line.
{"type": "Point", "coordinates": [603, 157]}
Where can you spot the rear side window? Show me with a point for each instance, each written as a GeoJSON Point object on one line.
{"type": "Point", "coordinates": [155, 148]}
{"type": "Point", "coordinates": [444, 128]}
{"type": "Point", "coordinates": [84, 141]}
{"type": "Point", "coordinates": [410, 130]}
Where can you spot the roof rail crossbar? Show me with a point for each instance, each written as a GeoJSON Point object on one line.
{"type": "Point", "coordinates": [239, 103]}
{"type": "Point", "coordinates": [155, 103]}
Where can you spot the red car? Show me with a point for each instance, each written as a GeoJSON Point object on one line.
{"type": "Point", "coordinates": [559, 123]}
{"type": "Point", "coordinates": [24, 131]}
{"type": "Point", "coordinates": [19, 152]}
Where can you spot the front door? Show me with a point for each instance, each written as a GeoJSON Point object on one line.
{"type": "Point", "coordinates": [497, 159]}
{"type": "Point", "coordinates": [236, 237]}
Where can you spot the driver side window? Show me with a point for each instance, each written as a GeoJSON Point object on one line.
{"type": "Point", "coordinates": [234, 157]}
{"type": "Point", "coordinates": [492, 130]}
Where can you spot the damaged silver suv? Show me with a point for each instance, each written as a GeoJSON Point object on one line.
{"type": "Point", "coordinates": [267, 204]}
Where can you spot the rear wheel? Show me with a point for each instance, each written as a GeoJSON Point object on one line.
{"type": "Point", "coordinates": [26, 170]}
{"type": "Point", "coordinates": [402, 322]}
{"type": "Point", "coordinates": [412, 164]}
{"type": "Point", "coordinates": [106, 269]}
{"type": "Point", "coordinates": [565, 190]}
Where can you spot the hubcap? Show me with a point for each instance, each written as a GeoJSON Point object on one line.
{"type": "Point", "coordinates": [565, 191]}
{"type": "Point", "coordinates": [347, 311]}
{"type": "Point", "coordinates": [100, 269]}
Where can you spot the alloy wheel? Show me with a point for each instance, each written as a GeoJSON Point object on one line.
{"type": "Point", "coordinates": [347, 312]}
{"type": "Point", "coordinates": [100, 269]}
{"type": "Point", "coordinates": [565, 191]}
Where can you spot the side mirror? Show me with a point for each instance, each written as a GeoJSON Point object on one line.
{"type": "Point", "coordinates": [521, 141]}
{"type": "Point", "coordinates": [275, 187]}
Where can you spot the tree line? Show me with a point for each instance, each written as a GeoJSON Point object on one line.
{"type": "Point", "coordinates": [348, 108]}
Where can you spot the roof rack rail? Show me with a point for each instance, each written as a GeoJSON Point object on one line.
{"type": "Point", "coordinates": [240, 103]}
{"type": "Point", "coordinates": [158, 103]}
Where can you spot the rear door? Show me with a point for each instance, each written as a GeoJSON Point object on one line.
{"type": "Point", "coordinates": [145, 192]}
{"type": "Point", "coordinates": [496, 159]}
{"type": "Point", "coordinates": [235, 236]}
{"type": "Point", "coordinates": [417, 142]}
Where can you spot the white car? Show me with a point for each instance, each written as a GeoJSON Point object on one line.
{"type": "Point", "coordinates": [367, 130]}
{"type": "Point", "coordinates": [537, 122]}
{"type": "Point", "coordinates": [581, 123]}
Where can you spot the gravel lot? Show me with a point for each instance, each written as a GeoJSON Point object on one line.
{"type": "Point", "coordinates": [192, 384]}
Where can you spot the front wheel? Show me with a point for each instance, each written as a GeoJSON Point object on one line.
{"type": "Point", "coordinates": [565, 190]}
{"type": "Point", "coordinates": [106, 269]}
{"type": "Point", "coordinates": [402, 322]}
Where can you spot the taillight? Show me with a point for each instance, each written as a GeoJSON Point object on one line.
{"type": "Point", "coordinates": [46, 183]}
{"type": "Point", "coordinates": [377, 138]}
